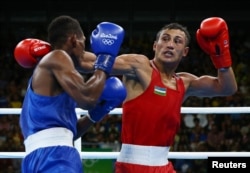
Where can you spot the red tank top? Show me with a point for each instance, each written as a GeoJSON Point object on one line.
{"type": "Point", "coordinates": [153, 118]}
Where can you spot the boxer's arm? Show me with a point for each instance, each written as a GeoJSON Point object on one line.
{"type": "Point", "coordinates": [112, 96]}
{"type": "Point", "coordinates": [83, 124]}
{"type": "Point", "coordinates": [87, 62]}
{"type": "Point", "coordinates": [124, 64]}
{"type": "Point", "coordinates": [89, 59]}
{"type": "Point", "coordinates": [208, 86]}
{"type": "Point", "coordinates": [131, 65]}
{"type": "Point", "coordinates": [213, 38]}
{"type": "Point", "coordinates": [57, 70]}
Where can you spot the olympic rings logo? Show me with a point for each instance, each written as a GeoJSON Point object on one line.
{"type": "Point", "coordinates": [90, 162]}
{"type": "Point", "coordinates": [107, 41]}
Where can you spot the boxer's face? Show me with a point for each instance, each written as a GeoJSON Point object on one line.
{"type": "Point", "coordinates": [171, 45]}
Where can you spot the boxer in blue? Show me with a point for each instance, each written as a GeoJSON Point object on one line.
{"type": "Point", "coordinates": [48, 119]}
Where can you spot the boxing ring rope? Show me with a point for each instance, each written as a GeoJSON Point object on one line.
{"type": "Point", "coordinates": [184, 110]}
{"type": "Point", "coordinates": [113, 155]}
{"type": "Point", "coordinates": [172, 155]}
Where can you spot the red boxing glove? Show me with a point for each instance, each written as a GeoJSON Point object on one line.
{"type": "Point", "coordinates": [213, 38]}
{"type": "Point", "coordinates": [29, 51]}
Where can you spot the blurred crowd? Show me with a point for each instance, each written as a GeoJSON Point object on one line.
{"type": "Point", "coordinates": [198, 132]}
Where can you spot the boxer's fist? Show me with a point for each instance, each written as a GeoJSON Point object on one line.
{"type": "Point", "coordinates": [113, 94]}
{"type": "Point", "coordinates": [29, 51]}
{"type": "Point", "coordinates": [213, 38]}
{"type": "Point", "coordinates": [105, 42]}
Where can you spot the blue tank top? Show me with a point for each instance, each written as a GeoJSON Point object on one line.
{"type": "Point", "coordinates": [43, 112]}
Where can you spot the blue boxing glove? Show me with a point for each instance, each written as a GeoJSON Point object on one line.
{"type": "Point", "coordinates": [105, 42]}
{"type": "Point", "coordinates": [112, 96]}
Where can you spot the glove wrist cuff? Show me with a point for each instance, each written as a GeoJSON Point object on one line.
{"type": "Point", "coordinates": [223, 69]}
{"type": "Point", "coordinates": [223, 61]}
{"type": "Point", "coordinates": [104, 62]}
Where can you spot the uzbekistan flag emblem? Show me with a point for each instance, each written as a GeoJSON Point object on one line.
{"type": "Point", "coordinates": [160, 91]}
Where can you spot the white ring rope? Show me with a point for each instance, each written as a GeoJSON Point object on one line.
{"type": "Point", "coordinates": [172, 155]}
{"type": "Point", "coordinates": [113, 155]}
{"type": "Point", "coordinates": [184, 110]}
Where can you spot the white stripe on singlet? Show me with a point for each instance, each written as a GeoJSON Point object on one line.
{"type": "Point", "coordinates": [49, 137]}
{"type": "Point", "coordinates": [144, 155]}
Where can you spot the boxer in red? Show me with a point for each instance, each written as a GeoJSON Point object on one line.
{"type": "Point", "coordinates": [155, 92]}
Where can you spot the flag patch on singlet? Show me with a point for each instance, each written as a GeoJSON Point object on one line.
{"type": "Point", "coordinates": [160, 91]}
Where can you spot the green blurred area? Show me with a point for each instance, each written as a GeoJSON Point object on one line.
{"type": "Point", "coordinates": [98, 165]}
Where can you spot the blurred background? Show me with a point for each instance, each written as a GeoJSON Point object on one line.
{"type": "Point", "coordinates": [141, 21]}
